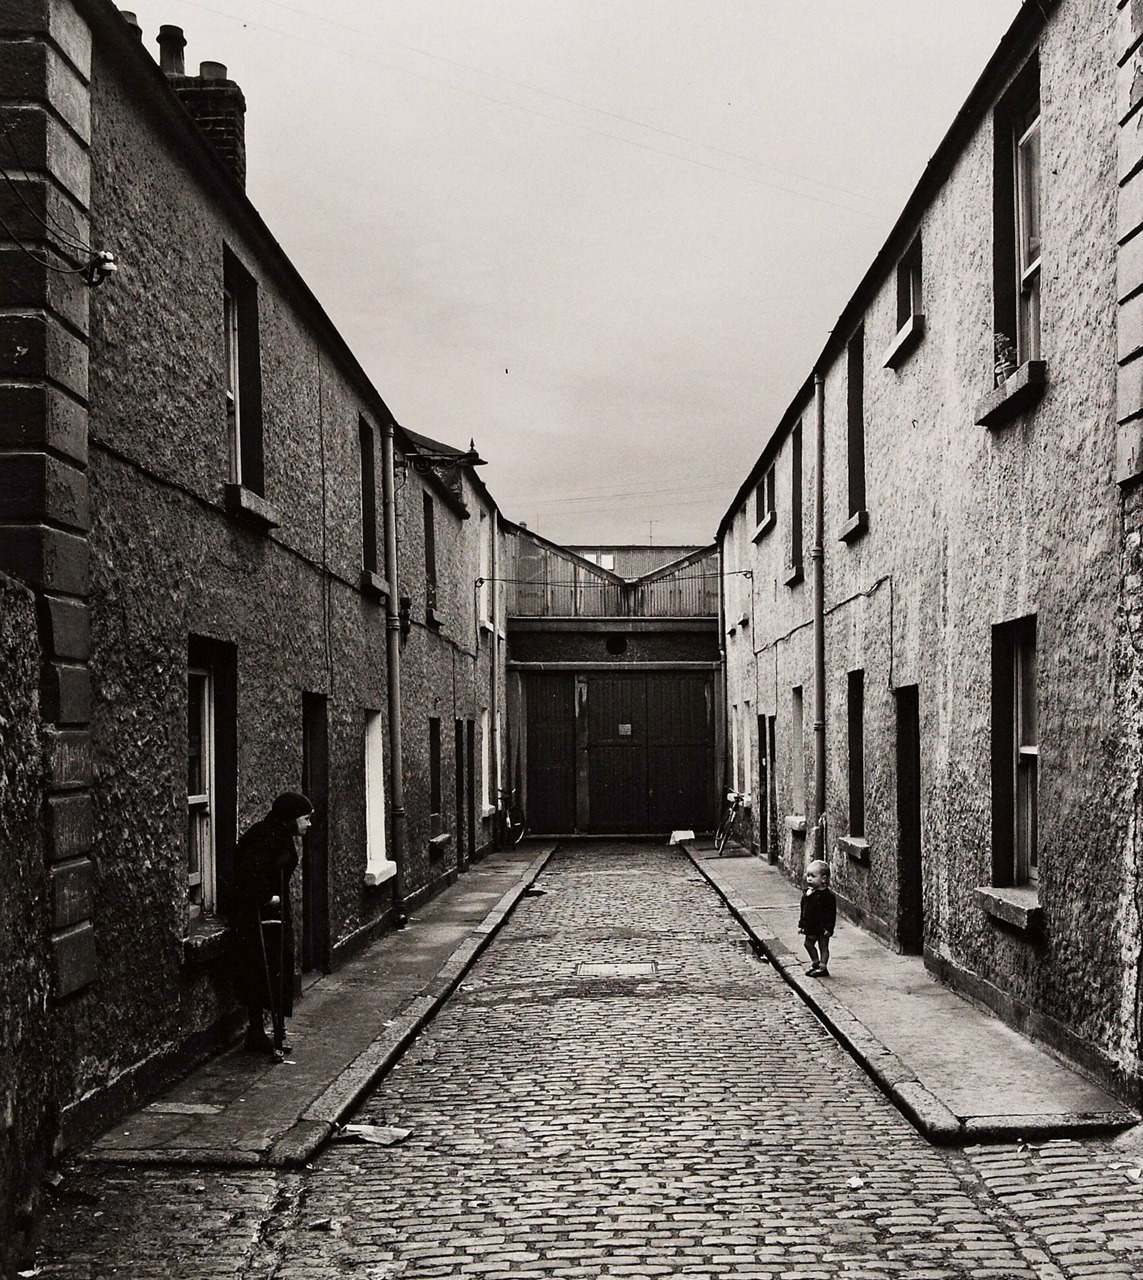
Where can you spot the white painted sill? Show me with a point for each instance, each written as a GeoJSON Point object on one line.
{"type": "Point", "coordinates": [488, 811]}
{"type": "Point", "coordinates": [856, 848]}
{"type": "Point", "coordinates": [769, 520]}
{"type": "Point", "coordinates": [796, 822]}
{"type": "Point", "coordinates": [379, 874]}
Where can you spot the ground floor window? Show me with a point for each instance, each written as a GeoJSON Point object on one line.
{"type": "Point", "coordinates": [212, 774]}
{"type": "Point", "coordinates": [201, 879]}
{"type": "Point", "coordinates": [1015, 753]}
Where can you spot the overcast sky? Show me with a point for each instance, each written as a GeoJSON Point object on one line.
{"type": "Point", "coordinates": [604, 238]}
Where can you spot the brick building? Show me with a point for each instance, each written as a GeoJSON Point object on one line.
{"type": "Point", "coordinates": [225, 571]}
{"type": "Point", "coordinates": [931, 575]}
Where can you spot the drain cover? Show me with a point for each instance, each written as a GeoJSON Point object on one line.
{"type": "Point", "coordinates": [604, 969]}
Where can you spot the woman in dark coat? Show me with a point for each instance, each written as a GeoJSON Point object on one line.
{"type": "Point", "coordinates": [264, 860]}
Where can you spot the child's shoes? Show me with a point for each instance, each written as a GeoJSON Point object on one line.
{"type": "Point", "coordinates": [817, 971]}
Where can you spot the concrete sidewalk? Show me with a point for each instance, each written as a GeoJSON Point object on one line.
{"type": "Point", "coordinates": [242, 1110]}
{"type": "Point", "coordinates": [959, 1073]}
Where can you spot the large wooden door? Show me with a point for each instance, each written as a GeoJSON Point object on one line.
{"type": "Point", "coordinates": [551, 754]}
{"type": "Point", "coordinates": [680, 752]}
{"type": "Point", "coordinates": [617, 753]}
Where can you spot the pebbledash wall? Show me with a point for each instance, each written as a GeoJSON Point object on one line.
{"type": "Point", "coordinates": [154, 595]}
{"type": "Point", "coordinates": [981, 559]}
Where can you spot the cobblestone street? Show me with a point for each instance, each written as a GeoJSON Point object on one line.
{"type": "Point", "coordinates": [686, 1116]}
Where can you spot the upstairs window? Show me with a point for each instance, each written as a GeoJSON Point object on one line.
{"type": "Point", "coordinates": [430, 555]}
{"type": "Point", "coordinates": [910, 303]}
{"type": "Point", "coordinates": [485, 599]}
{"type": "Point", "coordinates": [855, 430]}
{"type": "Point", "coordinates": [764, 503]}
{"type": "Point", "coordinates": [1016, 224]}
{"type": "Point", "coordinates": [243, 375]}
{"type": "Point", "coordinates": [434, 768]}
{"type": "Point", "coordinates": [368, 496]}
{"type": "Point", "coordinates": [794, 567]}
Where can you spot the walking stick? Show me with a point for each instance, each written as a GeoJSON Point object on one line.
{"type": "Point", "coordinates": [266, 966]}
{"type": "Point", "coordinates": [280, 1023]}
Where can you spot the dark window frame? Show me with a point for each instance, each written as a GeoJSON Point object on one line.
{"type": "Point", "coordinates": [367, 442]}
{"type": "Point", "coordinates": [243, 360]}
{"type": "Point", "coordinates": [855, 421]}
{"type": "Point", "coordinates": [429, 516]}
{"type": "Point", "coordinates": [855, 734]}
{"type": "Point", "coordinates": [220, 659]}
{"type": "Point", "coordinates": [1015, 754]}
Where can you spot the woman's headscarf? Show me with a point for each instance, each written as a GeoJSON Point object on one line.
{"type": "Point", "coordinates": [290, 806]}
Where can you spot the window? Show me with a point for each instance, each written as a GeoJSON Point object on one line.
{"type": "Point", "coordinates": [200, 792]}
{"type": "Point", "coordinates": [605, 559]}
{"type": "Point", "coordinates": [243, 375]}
{"type": "Point", "coordinates": [368, 497]}
{"type": "Point", "coordinates": [378, 867]}
{"type": "Point", "coordinates": [910, 304]}
{"type": "Point", "coordinates": [747, 762]}
{"type": "Point", "coordinates": [798, 750]}
{"type": "Point", "coordinates": [485, 601]}
{"type": "Point", "coordinates": [1015, 754]}
{"type": "Point", "coordinates": [794, 568]}
{"type": "Point", "coordinates": [855, 716]}
{"type": "Point", "coordinates": [1016, 224]}
{"type": "Point", "coordinates": [434, 767]}
{"type": "Point", "coordinates": [855, 435]}
{"type": "Point", "coordinates": [486, 762]}
{"type": "Point", "coordinates": [430, 556]}
{"type": "Point", "coordinates": [212, 774]}
{"type": "Point", "coordinates": [764, 502]}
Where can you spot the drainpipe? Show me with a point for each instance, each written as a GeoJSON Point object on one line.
{"type": "Point", "coordinates": [817, 572]}
{"type": "Point", "coordinates": [393, 657]}
{"type": "Point", "coordinates": [724, 683]}
{"type": "Point", "coordinates": [494, 710]}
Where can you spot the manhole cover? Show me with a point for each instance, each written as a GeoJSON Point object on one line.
{"type": "Point", "coordinates": [604, 969]}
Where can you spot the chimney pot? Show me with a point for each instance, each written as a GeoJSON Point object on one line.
{"type": "Point", "coordinates": [212, 70]}
{"type": "Point", "coordinates": [172, 42]}
{"type": "Point", "coordinates": [132, 21]}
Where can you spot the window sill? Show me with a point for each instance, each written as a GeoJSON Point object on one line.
{"type": "Point", "coordinates": [905, 343]}
{"type": "Point", "coordinates": [1018, 906]}
{"type": "Point", "coordinates": [792, 576]}
{"type": "Point", "coordinates": [769, 520]}
{"type": "Point", "coordinates": [796, 822]}
{"type": "Point", "coordinates": [379, 874]}
{"type": "Point", "coordinates": [854, 527]}
{"type": "Point", "coordinates": [433, 617]}
{"type": "Point", "coordinates": [207, 939]}
{"type": "Point", "coordinates": [251, 508]}
{"type": "Point", "coordinates": [1020, 392]}
{"type": "Point", "coordinates": [486, 625]}
{"type": "Point", "coordinates": [438, 844]}
{"type": "Point", "coordinates": [488, 811]}
{"type": "Point", "coordinates": [855, 848]}
{"type": "Point", "coordinates": [373, 585]}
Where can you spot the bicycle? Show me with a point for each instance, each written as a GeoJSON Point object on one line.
{"type": "Point", "coordinates": [736, 806]}
{"type": "Point", "coordinates": [511, 821]}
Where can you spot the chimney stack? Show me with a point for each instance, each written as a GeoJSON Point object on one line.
{"type": "Point", "coordinates": [215, 103]}
{"type": "Point", "coordinates": [172, 42]}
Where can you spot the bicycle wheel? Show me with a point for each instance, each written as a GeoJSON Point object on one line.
{"type": "Point", "coordinates": [723, 833]}
{"type": "Point", "coordinates": [515, 824]}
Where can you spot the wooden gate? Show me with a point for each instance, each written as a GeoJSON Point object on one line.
{"type": "Point", "coordinates": [628, 753]}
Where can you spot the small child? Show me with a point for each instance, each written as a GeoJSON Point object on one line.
{"type": "Point", "coordinates": [818, 917]}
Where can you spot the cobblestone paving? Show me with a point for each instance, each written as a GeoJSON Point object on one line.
{"type": "Point", "coordinates": [693, 1119]}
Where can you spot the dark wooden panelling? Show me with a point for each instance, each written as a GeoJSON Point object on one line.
{"type": "Point", "coordinates": [551, 754]}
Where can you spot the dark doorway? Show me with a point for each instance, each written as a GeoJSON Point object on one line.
{"type": "Point", "coordinates": [470, 776]}
{"type": "Point", "coordinates": [461, 774]}
{"type": "Point", "coordinates": [772, 789]}
{"type": "Point", "coordinates": [910, 880]}
{"type": "Point", "coordinates": [315, 843]}
{"type": "Point", "coordinates": [551, 753]}
{"type": "Point", "coordinates": [763, 819]}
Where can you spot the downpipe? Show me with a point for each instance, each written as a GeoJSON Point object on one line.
{"type": "Point", "coordinates": [817, 577]}
{"type": "Point", "coordinates": [393, 672]}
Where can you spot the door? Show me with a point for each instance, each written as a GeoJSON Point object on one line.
{"type": "Point", "coordinates": [315, 843]}
{"type": "Point", "coordinates": [461, 776]}
{"type": "Point", "coordinates": [617, 753]}
{"type": "Point", "coordinates": [910, 880]}
{"type": "Point", "coordinates": [470, 776]}
{"type": "Point", "coordinates": [680, 752]}
{"type": "Point", "coordinates": [551, 753]}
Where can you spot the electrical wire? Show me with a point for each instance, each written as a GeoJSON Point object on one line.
{"type": "Point", "coordinates": [59, 231]}
{"type": "Point", "coordinates": [41, 262]}
{"type": "Point", "coordinates": [557, 97]}
{"type": "Point", "coordinates": [542, 115]}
